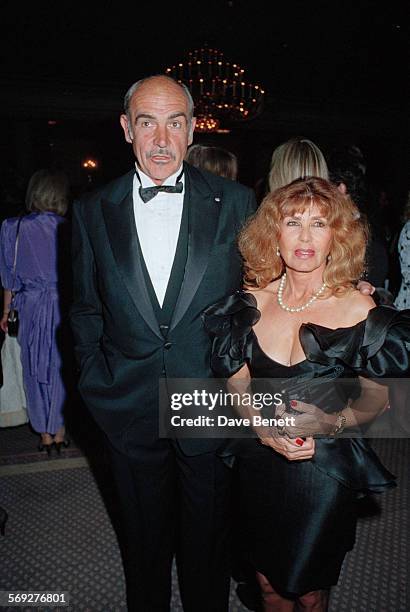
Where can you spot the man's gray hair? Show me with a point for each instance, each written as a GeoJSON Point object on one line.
{"type": "Point", "coordinates": [137, 85]}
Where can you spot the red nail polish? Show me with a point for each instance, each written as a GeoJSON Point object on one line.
{"type": "Point", "coordinates": [293, 403]}
{"type": "Point", "coordinates": [299, 441]}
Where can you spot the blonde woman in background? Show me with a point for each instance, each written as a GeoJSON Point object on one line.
{"type": "Point", "coordinates": [294, 159]}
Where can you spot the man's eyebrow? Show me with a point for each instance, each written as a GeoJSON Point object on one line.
{"type": "Point", "coordinates": [149, 116]}
{"type": "Point", "coordinates": [178, 114]}
{"type": "Point", "coordinates": [143, 116]}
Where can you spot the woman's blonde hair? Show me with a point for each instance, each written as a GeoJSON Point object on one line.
{"type": "Point", "coordinates": [294, 159]}
{"type": "Point", "coordinates": [258, 241]}
{"type": "Point", "coordinates": [48, 191]}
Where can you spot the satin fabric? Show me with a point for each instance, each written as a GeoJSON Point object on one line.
{"type": "Point", "coordinates": [38, 267]}
{"type": "Point", "coordinates": [300, 516]}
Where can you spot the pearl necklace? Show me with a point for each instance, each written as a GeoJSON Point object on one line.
{"type": "Point", "coordinates": [296, 308]}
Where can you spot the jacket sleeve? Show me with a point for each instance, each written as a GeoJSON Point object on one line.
{"type": "Point", "coordinates": [86, 311]}
{"type": "Point", "coordinates": [251, 205]}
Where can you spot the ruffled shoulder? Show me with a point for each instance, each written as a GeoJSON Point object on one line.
{"type": "Point", "coordinates": [377, 346]}
{"type": "Point", "coordinates": [230, 322]}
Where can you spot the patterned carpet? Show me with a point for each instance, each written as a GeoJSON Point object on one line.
{"type": "Point", "coordinates": [59, 536]}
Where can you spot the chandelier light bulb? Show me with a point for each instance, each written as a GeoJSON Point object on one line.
{"type": "Point", "coordinates": [219, 89]}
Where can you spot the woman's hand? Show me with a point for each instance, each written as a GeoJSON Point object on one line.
{"type": "Point", "coordinates": [293, 449]}
{"type": "Point", "coordinates": [311, 420]}
{"type": "Point", "coordinates": [6, 307]}
{"type": "Point", "coordinates": [3, 322]}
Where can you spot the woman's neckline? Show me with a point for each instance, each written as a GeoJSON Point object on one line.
{"type": "Point", "coordinates": [298, 363]}
{"type": "Point", "coordinates": [308, 323]}
{"type": "Point", "coordinates": [279, 363]}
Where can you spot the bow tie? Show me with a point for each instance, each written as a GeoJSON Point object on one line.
{"type": "Point", "coordinates": [147, 193]}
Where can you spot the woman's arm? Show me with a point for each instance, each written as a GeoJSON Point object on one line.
{"type": "Point", "coordinates": [314, 421]}
{"type": "Point", "coordinates": [6, 309]}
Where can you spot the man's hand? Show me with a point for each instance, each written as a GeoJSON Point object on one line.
{"type": "Point", "coordinates": [365, 288]}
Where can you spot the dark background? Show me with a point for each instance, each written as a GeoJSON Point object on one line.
{"type": "Point", "coordinates": [334, 71]}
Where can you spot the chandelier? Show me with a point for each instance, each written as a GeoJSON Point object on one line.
{"type": "Point", "coordinates": [218, 88]}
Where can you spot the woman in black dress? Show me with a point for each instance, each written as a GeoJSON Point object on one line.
{"type": "Point", "coordinates": [311, 328]}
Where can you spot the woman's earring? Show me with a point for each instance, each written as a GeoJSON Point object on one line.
{"type": "Point", "coordinates": [328, 258]}
{"type": "Point", "coordinates": [277, 252]}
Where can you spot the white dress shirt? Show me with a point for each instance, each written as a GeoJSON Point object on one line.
{"type": "Point", "coordinates": [158, 222]}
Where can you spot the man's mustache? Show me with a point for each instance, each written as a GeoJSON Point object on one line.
{"type": "Point", "coordinates": [160, 151]}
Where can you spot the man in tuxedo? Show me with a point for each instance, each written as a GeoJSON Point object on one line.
{"type": "Point", "coordinates": [147, 262]}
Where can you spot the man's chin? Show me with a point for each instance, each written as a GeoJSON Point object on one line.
{"type": "Point", "coordinates": [160, 170]}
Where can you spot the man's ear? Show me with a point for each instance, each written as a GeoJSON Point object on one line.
{"type": "Point", "coordinates": [342, 188]}
{"type": "Point", "coordinates": [126, 127]}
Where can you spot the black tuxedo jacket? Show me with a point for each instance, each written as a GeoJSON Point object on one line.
{"type": "Point", "coordinates": [120, 347]}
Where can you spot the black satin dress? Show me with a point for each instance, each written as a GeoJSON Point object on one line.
{"type": "Point", "coordinates": [299, 517]}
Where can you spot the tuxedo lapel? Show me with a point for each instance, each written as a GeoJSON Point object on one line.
{"type": "Point", "coordinates": [204, 208]}
{"type": "Point", "coordinates": [120, 224]}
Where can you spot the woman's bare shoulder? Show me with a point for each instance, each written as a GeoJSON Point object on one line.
{"type": "Point", "coordinates": [356, 306]}
{"type": "Point", "coordinates": [264, 295]}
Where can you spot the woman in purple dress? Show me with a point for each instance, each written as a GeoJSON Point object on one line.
{"type": "Point", "coordinates": [35, 283]}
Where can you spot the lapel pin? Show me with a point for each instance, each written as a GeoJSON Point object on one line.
{"type": "Point", "coordinates": [217, 199]}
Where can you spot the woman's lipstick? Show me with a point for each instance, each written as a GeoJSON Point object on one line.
{"type": "Point", "coordinates": [304, 253]}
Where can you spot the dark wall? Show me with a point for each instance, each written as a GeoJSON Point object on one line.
{"type": "Point", "coordinates": [31, 143]}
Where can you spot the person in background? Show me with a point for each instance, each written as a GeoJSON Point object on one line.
{"type": "Point", "coordinates": [400, 393]}
{"type": "Point", "coordinates": [40, 284]}
{"type": "Point", "coordinates": [294, 159]}
{"type": "Point", "coordinates": [348, 173]}
{"type": "Point", "coordinates": [387, 218]}
{"type": "Point", "coordinates": [213, 159]}
{"type": "Point", "coordinates": [402, 299]}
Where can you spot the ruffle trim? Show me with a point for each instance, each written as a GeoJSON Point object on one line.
{"type": "Point", "coordinates": [378, 346]}
{"type": "Point", "coordinates": [230, 321]}
{"type": "Point", "coordinates": [353, 463]}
